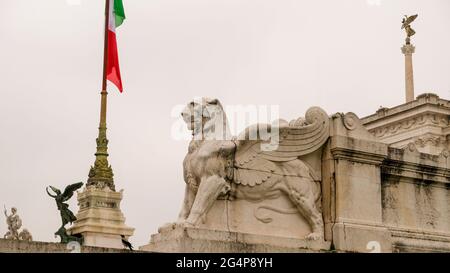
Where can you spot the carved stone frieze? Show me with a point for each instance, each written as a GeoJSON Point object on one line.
{"type": "Point", "coordinates": [409, 124]}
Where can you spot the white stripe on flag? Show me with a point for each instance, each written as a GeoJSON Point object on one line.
{"type": "Point", "coordinates": [112, 17]}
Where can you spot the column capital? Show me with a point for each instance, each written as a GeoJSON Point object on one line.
{"type": "Point", "coordinates": [408, 49]}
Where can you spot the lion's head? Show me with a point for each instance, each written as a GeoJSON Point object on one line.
{"type": "Point", "coordinates": [206, 119]}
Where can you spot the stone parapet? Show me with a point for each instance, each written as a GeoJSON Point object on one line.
{"type": "Point", "coordinates": [16, 246]}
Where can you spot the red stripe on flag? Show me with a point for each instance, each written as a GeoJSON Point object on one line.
{"type": "Point", "coordinates": [112, 64]}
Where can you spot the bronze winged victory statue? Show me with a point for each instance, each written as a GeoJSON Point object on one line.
{"type": "Point", "coordinates": [67, 216]}
{"type": "Point", "coordinates": [406, 24]}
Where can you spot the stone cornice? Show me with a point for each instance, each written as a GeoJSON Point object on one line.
{"type": "Point", "coordinates": [428, 101]}
{"type": "Point", "coordinates": [417, 167]}
{"type": "Point", "coordinates": [357, 150]}
{"type": "Point", "coordinates": [421, 234]}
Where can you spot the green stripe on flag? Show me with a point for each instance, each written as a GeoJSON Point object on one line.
{"type": "Point", "coordinates": [119, 12]}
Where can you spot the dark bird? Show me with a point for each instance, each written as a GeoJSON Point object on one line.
{"type": "Point", "coordinates": [126, 243]}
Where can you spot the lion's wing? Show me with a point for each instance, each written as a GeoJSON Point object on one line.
{"type": "Point", "coordinates": [256, 160]}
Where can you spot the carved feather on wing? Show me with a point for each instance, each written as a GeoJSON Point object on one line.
{"type": "Point", "coordinates": [261, 148]}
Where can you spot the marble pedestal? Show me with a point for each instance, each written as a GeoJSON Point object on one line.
{"type": "Point", "coordinates": [241, 226]}
{"type": "Point", "coordinates": [100, 220]}
{"type": "Point", "coordinates": [179, 239]}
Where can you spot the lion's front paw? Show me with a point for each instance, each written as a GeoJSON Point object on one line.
{"type": "Point", "coordinates": [165, 227]}
{"type": "Point", "coordinates": [314, 236]}
{"type": "Point", "coordinates": [187, 224]}
{"type": "Point", "coordinates": [182, 223]}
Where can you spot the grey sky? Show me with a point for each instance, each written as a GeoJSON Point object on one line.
{"type": "Point", "coordinates": [341, 55]}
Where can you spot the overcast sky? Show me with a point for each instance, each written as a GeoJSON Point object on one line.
{"type": "Point", "coordinates": [341, 55]}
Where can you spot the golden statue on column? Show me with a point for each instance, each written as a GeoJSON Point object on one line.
{"type": "Point", "coordinates": [406, 24]}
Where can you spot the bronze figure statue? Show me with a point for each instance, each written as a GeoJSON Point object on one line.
{"type": "Point", "coordinates": [67, 216]}
{"type": "Point", "coordinates": [406, 24]}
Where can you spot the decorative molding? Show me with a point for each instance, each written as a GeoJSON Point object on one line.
{"type": "Point", "coordinates": [350, 121]}
{"type": "Point", "coordinates": [357, 156]}
{"type": "Point", "coordinates": [98, 204]}
{"type": "Point", "coordinates": [409, 124]}
{"type": "Point", "coordinates": [415, 167]}
{"type": "Point", "coordinates": [408, 49]}
{"type": "Point", "coordinates": [445, 153]}
{"type": "Point", "coordinates": [411, 147]}
{"type": "Point", "coordinates": [430, 140]}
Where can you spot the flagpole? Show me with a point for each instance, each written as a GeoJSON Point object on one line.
{"type": "Point", "coordinates": [104, 93]}
{"type": "Point", "coordinates": [105, 59]}
{"type": "Point", "coordinates": [101, 174]}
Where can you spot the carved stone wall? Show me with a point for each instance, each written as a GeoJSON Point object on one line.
{"type": "Point", "coordinates": [416, 200]}
{"type": "Point", "coordinates": [396, 198]}
{"type": "Point", "coordinates": [415, 175]}
{"type": "Point", "coordinates": [351, 187]}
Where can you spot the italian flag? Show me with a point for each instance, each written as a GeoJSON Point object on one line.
{"type": "Point", "coordinates": [116, 18]}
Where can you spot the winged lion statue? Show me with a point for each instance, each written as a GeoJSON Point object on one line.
{"type": "Point", "coordinates": [251, 166]}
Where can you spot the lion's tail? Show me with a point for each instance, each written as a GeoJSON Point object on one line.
{"type": "Point", "coordinates": [266, 220]}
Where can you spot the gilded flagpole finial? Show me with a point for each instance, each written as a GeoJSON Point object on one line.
{"type": "Point", "coordinates": [101, 174]}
